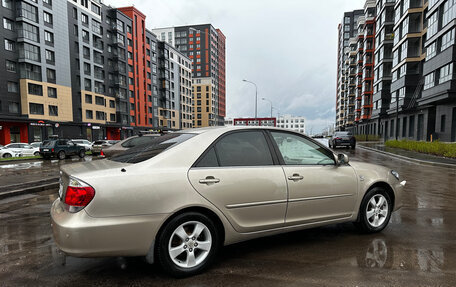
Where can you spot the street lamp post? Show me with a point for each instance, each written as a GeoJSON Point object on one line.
{"type": "Point", "coordinates": [256, 96]}
{"type": "Point", "coordinates": [264, 99]}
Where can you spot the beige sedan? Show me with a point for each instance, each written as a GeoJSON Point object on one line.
{"type": "Point", "coordinates": [179, 199]}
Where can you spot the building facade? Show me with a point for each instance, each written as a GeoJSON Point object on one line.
{"type": "Point", "coordinates": [268, 122]}
{"type": "Point", "coordinates": [82, 69]}
{"type": "Point", "coordinates": [205, 46]}
{"type": "Point", "coordinates": [294, 123]}
{"type": "Point", "coordinates": [414, 95]}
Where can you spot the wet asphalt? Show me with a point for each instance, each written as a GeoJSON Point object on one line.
{"type": "Point", "coordinates": [418, 247]}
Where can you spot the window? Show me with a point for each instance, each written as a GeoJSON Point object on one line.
{"type": "Point", "coordinates": [10, 66]}
{"type": "Point", "coordinates": [53, 111]}
{"type": "Point", "coordinates": [7, 4]}
{"type": "Point", "coordinates": [99, 101]}
{"type": "Point", "coordinates": [34, 89]}
{"type": "Point", "coordinates": [449, 12]}
{"type": "Point", "coordinates": [244, 149]}
{"type": "Point", "coordinates": [50, 56]}
{"type": "Point", "coordinates": [36, 109]}
{"type": "Point", "coordinates": [112, 104]}
{"type": "Point", "coordinates": [48, 37]}
{"type": "Point", "coordinates": [298, 150]}
{"type": "Point", "coordinates": [100, 116]}
{"type": "Point", "coordinates": [446, 73]}
{"type": "Point", "coordinates": [27, 31]}
{"type": "Point", "coordinates": [13, 107]}
{"type": "Point", "coordinates": [96, 9]}
{"type": "Point", "coordinates": [433, 24]}
{"type": "Point", "coordinates": [431, 51]}
{"type": "Point", "coordinates": [447, 40]}
{"type": "Point", "coordinates": [13, 87]}
{"type": "Point", "coordinates": [52, 92]}
{"type": "Point", "coordinates": [9, 45]}
{"type": "Point", "coordinates": [429, 81]}
{"type": "Point", "coordinates": [7, 24]}
{"type": "Point", "coordinates": [30, 52]}
{"type": "Point", "coordinates": [89, 114]}
{"type": "Point", "coordinates": [85, 36]}
{"type": "Point", "coordinates": [84, 19]}
{"type": "Point", "coordinates": [88, 99]}
{"type": "Point", "coordinates": [50, 73]}
{"type": "Point", "coordinates": [47, 18]}
{"type": "Point", "coordinates": [48, 2]}
{"type": "Point", "coordinates": [27, 11]}
{"type": "Point", "coordinates": [209, 159]}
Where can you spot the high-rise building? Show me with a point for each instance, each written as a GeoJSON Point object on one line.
{"type": "Point", "coordinates": [82, 69]}
{"type": "Point", "coordinates": [346, 30]}
{"type": "Point", "coordinates": [205, 46]}
{"type": "Point", "coordinates": [414, 82]}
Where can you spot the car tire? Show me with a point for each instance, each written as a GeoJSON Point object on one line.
{"type": "Point", "coordinates": [7, 155]}
{"type": "Point", "coordinates": [82, 153]}
{"type": "Point", "coordinates": [375, 211]}
{"type": "Point", "coordinates": [61, 155]}
{"type": "Point", "coordinates": [182, 256]}
{"type": "Point", "coordinates": [329, 144]}
{"type": "Point", "coordinates": [94, 153]}
{"type": "Point", "coordinates": [353, 146]}
{"type": "Point", "coordinates": [37, 153]}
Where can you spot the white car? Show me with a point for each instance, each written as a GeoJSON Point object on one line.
{"type": "Point", "coordinates": [24, 148]}
{"type": "Point", "coordinates": [7, 153]}
{"type": "Point", "coordinates": [85, 143]}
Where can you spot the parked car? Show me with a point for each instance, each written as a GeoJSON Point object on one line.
{"type": "Point", "coordinates": [180, 198]}
{"type": "Point", "coordinates": [99, 145]}
{"type": "Point", "coordinates": [129, 143]}
{"type": "Point", "coordinates": [36, 144]}
{"type": "Point", "coordinates": [61, 148]}
{"type": "Point", "coordinates": [85, 143]}
{"type": "Point", "coordinates": [342, 139]}
{"type": "Point", "coordinates": [7, 153]}
{"type": "Point", "coordinates": [24, 149]}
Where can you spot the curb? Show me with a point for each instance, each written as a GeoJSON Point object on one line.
{"type": "Point", "coordinates": [33, 189]}
{"type": "Point", "coordinates": [9, 161]}
{"type": "Point", "coordinates": [441, 164]}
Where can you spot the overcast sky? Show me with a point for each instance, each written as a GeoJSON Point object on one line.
{"type": "Point", "coordinates": [287, 47]}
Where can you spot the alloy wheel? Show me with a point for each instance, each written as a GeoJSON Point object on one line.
{"type": "Point", "coordinates": [190, 244]}
{"type": "Point", "coordinates": [377, 210]}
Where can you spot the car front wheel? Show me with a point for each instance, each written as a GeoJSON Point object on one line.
{"type": "Point", "coordinates": [188, 244]}
{"type": "Point", "coordinates": [7, 155]}
{"type": "Point", "coordinates": [37, 153]}
{"type": "Point", "coordinates": [375, 211]}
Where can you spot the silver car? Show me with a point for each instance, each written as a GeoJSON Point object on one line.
{"type": "Point", "coordinates": [179, 199]}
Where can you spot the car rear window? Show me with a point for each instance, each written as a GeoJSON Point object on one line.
{"type": "Point", "coordinates": [152, 148]}
{"type": "Point", "coordinates": [48, 144]}
{"type": "Point", "coordinates": [343, 134]}
{"type": "Point", "coordinates": [98, 142]}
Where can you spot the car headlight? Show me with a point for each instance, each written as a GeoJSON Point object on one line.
{"type": "Point", "coordinates": [395, 173]}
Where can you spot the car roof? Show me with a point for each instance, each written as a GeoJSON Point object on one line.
{"type": "Point", "coordinates": [230, 128]}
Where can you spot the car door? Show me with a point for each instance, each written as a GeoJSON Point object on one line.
{"type": "Point", "coordinates": [14, 147]}
{"type": "Point", "coordinates": [318, 189]}
{"type": "Point", "coordinates": [239, 176]}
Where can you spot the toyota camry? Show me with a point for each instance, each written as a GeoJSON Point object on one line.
{"type": "Point", "coordinates": [179, 199]}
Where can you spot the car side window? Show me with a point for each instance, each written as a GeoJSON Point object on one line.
{"type": "Point", "coordinates": [248, 148]}
{"type": "Point", "coordinates": [209, 159]}
{"type": "Point", "coordinates": [297, 150]}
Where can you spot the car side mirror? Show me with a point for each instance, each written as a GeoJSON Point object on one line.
{"type": "Point", "coordinates": [342, 159]}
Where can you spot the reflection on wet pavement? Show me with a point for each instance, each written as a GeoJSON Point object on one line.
{"type": "Point", "coordinates": [417, 247]}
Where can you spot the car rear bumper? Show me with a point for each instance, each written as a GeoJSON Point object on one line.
{"type": "Point", "coordinates": [78, 234]}
{"type": "Point", "coordinates": [342, 142]}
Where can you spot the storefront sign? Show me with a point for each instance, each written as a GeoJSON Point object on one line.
{"type": "Point", "coordinates": [96, 127]}
{"type": "Point", "coordinates": [57, 125]}
{"type": "Point", "coordinates": [127, 128]}
{"type": "Point", "coordinates": [40, 124]}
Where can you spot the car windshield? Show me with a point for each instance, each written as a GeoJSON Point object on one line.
{"type": "Point", "coordinates": [152, 148]}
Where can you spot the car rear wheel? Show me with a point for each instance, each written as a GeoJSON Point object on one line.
{"type": "Point", "coordinates": [375, 211]}
{"type": "Point", "coordinates": [188, 244]}
{"type": "Point", "coordinates": [61, 155]}
{"type": "Point", "coordinates": [7, 155]}
{"type": "Point", "coordinates": [82, 153]}
{"type": "Point", "coordinates": [37, 153]}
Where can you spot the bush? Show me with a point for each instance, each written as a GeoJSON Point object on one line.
{"type": "Point", "coordinates": [435, 148]}
{"type": "Point", "coordinates": [362, 138]}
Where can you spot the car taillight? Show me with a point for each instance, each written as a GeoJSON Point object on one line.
{"type": "Point", "coordinates": [52, 150]}
{"type": "Point", "coordinates": [78, 194]}
{"type": "Point", "coordinates": [338, 138]}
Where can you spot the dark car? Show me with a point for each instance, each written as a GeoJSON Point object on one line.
{"type": "Point", "coordinates": [342, 139]}
{"type": "Point", "coordinates": [61, 148]}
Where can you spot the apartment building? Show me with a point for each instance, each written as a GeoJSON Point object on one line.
{"type": "Point", "coordinates": [82, 69]}
{"type": "Point", "coordinates": [205, 46]}
{"type": "Point", "coordinates": [294, 123]}
{"type": "Point", "coordinates": [346, 30]}
{"type": "Point", "coordinates": [413, 86]}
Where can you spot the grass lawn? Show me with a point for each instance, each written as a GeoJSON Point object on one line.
{"type": "Point", "coordinates": [435, 148]}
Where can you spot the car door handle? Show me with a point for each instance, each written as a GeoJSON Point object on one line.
{"type": "Point", "coordinates": [209, 180]}
{"type": "Point", "coordinates": [295, 177]}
